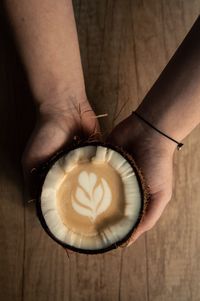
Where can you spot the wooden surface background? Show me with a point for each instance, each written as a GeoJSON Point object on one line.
{"type": "Point", "coordinates": [124, 46]}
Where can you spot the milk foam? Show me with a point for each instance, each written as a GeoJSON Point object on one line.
{"type": "Point", "coordinates": [91, 199]}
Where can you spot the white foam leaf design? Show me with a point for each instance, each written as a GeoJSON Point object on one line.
{"type": "Point", "coordinates": [81, 196]}
{"type": "Point", "coordinates": [108, 196]}
{"type": "Point", "coordinates": [91, 200]}
{"type": "Point", "coordinates": [97, 195]}
{"type": "Point", "coordinates": [84, 211]}
{"type": "Point", "coordinates": [87, 180]}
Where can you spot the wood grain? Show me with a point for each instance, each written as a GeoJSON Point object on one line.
{"type": "Point", "coordinates": [124, 47]}
{"type": "Point", "coordinates": [15, 100]}
{"type": "Point", "coordinates": [173, 244]}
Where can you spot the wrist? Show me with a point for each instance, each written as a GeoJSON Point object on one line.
{"type": "Point", "coordinates": [62, 102]}
{"type": "Point", "coordinates": [150, 138]}
{"type": "Point", "coordinates": [55, 92]}
{"type": "Point", "coordinates": [62, 107]}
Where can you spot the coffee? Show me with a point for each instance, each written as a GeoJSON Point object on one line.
{"type": "Point", "coordinates": [90, 198]}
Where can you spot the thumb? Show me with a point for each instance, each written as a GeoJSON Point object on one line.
{"type": "Point", "coordinates": [117, 136]}
{"type": "Point", "coordinates": [112, 138]}
{"type": "Point", "coordinates": [90, 126]}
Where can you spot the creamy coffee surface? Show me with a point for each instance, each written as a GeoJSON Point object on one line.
{"type": "Point", "coordinates": [90, 197]}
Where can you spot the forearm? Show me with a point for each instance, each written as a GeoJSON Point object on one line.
{"type": "Point", "coordinates": [46, 34]}
{"type": "Point", "coordinates": [173, 103]}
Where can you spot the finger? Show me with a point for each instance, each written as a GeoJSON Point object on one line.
{"type": "Point", "coordinates": [31, 182]}
{"type": "Point", "coordinates": [90, 126]}
{"type": "Point", "coordinates": [44, 143]}
{"type": "Point", "coordinates": [92, 131]}
{"type": "Point", "coordinates": [116, 137]}
{"type": "Point", "coordinates": [135, 237]}
{"type": "Point", "coordinates": [120, 135]}
{"type": "Point", "coordinates": [153, 212]}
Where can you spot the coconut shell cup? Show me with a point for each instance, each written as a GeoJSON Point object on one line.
{"type": "Point", "coordinates": [42, 171]}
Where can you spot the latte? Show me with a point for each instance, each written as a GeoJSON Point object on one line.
{"type": "Point", "coordinates": [91, 198]}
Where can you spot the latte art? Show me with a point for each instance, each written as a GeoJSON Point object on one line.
{"type": "Point", "coordinates": [91, 199]}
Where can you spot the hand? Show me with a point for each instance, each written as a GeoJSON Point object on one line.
{"type": "Point", "coordinates": [56, 126]}
{"type": "Point", "coordinates": [153, 154]}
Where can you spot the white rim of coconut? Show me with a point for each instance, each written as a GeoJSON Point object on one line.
{"type": "Point", "coordinates": [112, 235]}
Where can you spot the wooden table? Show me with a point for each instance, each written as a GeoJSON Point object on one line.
{"type": "Point", "coordinates": [124, 47]}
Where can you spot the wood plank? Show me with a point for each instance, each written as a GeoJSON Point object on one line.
{"type": "Point", "coordinates": [11, 144]}
{"type": "Point", "coordinates": [124, 47]}
{"type": "Point", "coordinates": [32, 266]}
{"type": "Point", "coordinates": [105, 35]}
{"type": "Point", "coordinates": [46, 265]}
{"type": "Point", "coordinates": [173, 268]}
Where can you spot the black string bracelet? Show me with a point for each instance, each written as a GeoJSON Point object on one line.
{"type": "Point", "coordinates": [179, 145]}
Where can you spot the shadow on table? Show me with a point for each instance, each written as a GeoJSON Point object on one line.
{"type": "Point", "coordinates": [17, 112]}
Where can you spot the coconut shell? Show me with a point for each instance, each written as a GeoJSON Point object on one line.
{"type": "Point", "coordinates": [43, 169]}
